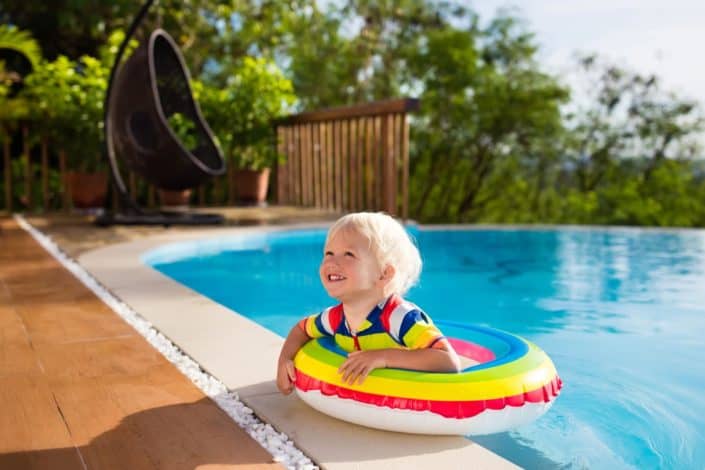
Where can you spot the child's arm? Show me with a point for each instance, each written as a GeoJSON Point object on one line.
{"type": "Point", "coordinates": [286, 374]}
{"type": "Point", "coordinates": [439, 358]}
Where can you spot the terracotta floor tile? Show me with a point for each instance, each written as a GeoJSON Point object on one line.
{"type": "Point", "coordinates": [71, 322]}
{"type": "Point", "coordinates": [30, 419]}
{"type": "Point", "coordinates": [126, 357]}
{"type": "Point", "coordinates": [79, 388]}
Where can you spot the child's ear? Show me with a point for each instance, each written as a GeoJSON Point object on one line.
{"type": "Point", "coordinates": [387, 273]}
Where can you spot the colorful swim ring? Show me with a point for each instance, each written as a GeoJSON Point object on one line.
{"type": "Point", "coordinates": [511, 382]}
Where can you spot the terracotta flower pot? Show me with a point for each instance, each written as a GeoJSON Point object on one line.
{"type": "Point", "coordinates": [87, 190]}
{"type": "Point", "coordinates": [174, 199]}
{"type": "Point", "coordinates": [251, 186]}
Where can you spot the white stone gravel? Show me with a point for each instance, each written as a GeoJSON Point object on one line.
{"type": "Point", "coordinates": [278, 444]}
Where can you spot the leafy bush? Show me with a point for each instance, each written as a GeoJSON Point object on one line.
{"type": "Point", "coordinates": [241, 112]}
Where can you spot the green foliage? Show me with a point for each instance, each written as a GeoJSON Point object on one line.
{"type": "Point", "coordinates": [241, 112]}
{"type": "Point", "coordinates": [68, 105]}
{"type": "Point", "coordinates": [69, 27]}
{"type": "Point", "coordinates": [20, 41]}
{"type": "Point", "coordinates": [12, 107]}
{"type": "Point", "coordinates": [185, 130]}
{"type": "Point", "coordinates": [497, 139]}
{"type": "Point", "coordinates": [485, 104]}
{"type": "Point", "coordinates": [18, 171]}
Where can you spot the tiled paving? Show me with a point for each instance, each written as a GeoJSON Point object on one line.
{"type": "Point", "coordinates": [79, 388]}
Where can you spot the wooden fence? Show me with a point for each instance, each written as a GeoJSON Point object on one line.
{"type": "Point", "coordinates": [347, 159]}
{"type": "Point", "coordinates": [342, 159]}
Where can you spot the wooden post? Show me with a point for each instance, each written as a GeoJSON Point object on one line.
{"type": "Point", "coordinates": [330, 166]}
{"type": "Point", "coordinates": [405, 167]}
{"type": "Point", "coordinates": [344, 164]}
{"type": "Point", "coordinates": [305, 165]}
{"type": "Point", "coordinates": [45, 173]}
{"type": "Point", "coordinates": [216, 191]}
{"type": "Point", "coordinates": [231, 184]}
{"type": "Point", "coordinates": [369, 164]}
{"type": "Point", "coordinates": [151, 199]}
{"type": "Point", "coordinates": [28, 166]}
{"type": "Point", "coordinates": [8, 172]}
{"type": "Point", "coordinates": [132, 181]}
{"type": "Point", "coordinates": [65, 192]}
{"type": "Point", "coordinates": [281, 167]}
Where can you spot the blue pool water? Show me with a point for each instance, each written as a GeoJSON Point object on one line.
{"type": "Point", "coordinates": [621, 313]}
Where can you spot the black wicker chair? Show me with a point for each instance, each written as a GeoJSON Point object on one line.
{"type": "Point", "coordinates": [148, 89]}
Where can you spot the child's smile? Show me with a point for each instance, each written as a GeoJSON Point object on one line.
{"type": "Point", "coordinates": [349, 269]}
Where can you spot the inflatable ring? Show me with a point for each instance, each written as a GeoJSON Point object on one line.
{"type": "Point", "coordinates": [511, 382]}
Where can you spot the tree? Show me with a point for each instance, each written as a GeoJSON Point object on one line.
{"type": "Point", "coordinates": [484, 102]}
{"type": "Point", "coordinates": [69, 27]}
{"type": "Point", "coordinates": [241, 113]}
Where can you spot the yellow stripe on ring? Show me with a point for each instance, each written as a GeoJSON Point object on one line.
{"type": "Point", "coordinates": [500, 387]}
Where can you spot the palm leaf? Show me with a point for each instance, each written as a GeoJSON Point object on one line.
{"type": "Point", "coordinates": [21, 42]}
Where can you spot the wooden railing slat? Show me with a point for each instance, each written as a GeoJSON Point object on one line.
{"type": "Point", "coordinates": [405, 167]}
{"type": "Point", "coordinates": [360, 150]}
{"type": "Point", "coordinates": [330, 165]}
{"type": "Point", "coordinates": [378, 166]}
{"type": "Point", "coordinates": [336, 165]}
{"type": "Point", "coordinates": [65, 197]}
{"type": "Point", "coordinates": [317, 160]}
{"type": "Point", "coordinates": [296, 175]}
{"type": "Point", "coordinates": [345, 163]}
{"type": "Point", "coordinates": [28, 166]}
{"type": "Point", "coordinates": [8, 173]}
{"type": "Point", "coordinates": [376, 108]}
{"type": "Point", "coordinates": [369, 168]}
{"type": "Point", "coordinates": [280, 168]}
{"type": "Point", "coordinates": [304, 164]}
{"type": "Point", "coordinates": [309, 179]}
{"type": "Point", "coordinates": [45, 173]}
{"type": "Point", "coordinates": [347, 159]}
{"type": "Point", "coordinates": [352, 162]}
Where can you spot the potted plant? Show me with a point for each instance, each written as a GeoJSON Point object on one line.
{"type": "Point", "coordinates": [240, 113]}
{"type": "Point", "coordinates": [68, 99]}
{"type": "Point", "coordinates": [185, 130]}
{"type": "Point", "coordinates": [68, 96]}
{"type": "Point", "coordinates": [14, 108]}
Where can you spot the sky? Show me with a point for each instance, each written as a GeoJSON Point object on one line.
{"type": "Point", "coordinates": [666, 38]}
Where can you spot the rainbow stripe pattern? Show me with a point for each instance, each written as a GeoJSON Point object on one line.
{"type": "Point", "coordinates": [510, 383]}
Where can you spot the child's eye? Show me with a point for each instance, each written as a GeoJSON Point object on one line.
{"type": "Point", "coordinates": [328, 253]}
{"type": "Point", "coordinates": [350, 253]}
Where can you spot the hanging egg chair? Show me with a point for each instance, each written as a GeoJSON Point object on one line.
{"type": "Point", "coordinates": [151, 87]}
{"type": "Point", "coordinates": [148, 96]}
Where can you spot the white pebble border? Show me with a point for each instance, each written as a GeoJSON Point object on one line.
{"type": "Point", "coordinates": [278, 444]}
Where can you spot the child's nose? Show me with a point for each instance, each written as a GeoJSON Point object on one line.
{"type": "Point", "coordinates": [334, 259]}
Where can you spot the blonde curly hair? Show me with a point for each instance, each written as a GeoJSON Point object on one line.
{"type": "Point", "coordinates": [389, 242]}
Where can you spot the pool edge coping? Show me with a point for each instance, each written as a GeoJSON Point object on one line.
{"type": "Point", "coordinates": [217, 335]}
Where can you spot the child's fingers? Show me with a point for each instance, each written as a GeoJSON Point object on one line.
{"type": "Point", "coordinates": [291, 371]}
{"type": "Point", "coordinates": [285, 386]}
{"type": "Point", "coordinates": [363, 375]}
{"type": "Point", "coordinates": [351, 370]}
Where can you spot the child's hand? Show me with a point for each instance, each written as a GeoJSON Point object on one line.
{"type": "Point", "coordinates": [360, 363]}
{"type": "Point", "coordinates": [286, 376]}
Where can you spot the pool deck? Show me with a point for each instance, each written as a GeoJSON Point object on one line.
{"type": "Point", "coordinates": [79, 388]}
{"type": "Point", "coordinates": [91, 378]}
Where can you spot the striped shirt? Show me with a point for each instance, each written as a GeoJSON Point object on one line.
{"type": "Point", "coordinates": [394, 323]}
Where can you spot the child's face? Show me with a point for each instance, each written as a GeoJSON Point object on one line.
{"type": "Point", "coordinates": [349, 270]}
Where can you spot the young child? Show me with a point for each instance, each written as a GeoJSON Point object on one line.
{"type": "Point", "coordinates": [368, 263]}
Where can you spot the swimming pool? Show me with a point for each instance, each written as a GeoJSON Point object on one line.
{"type": "Point", "coordinates": [621, 312]}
